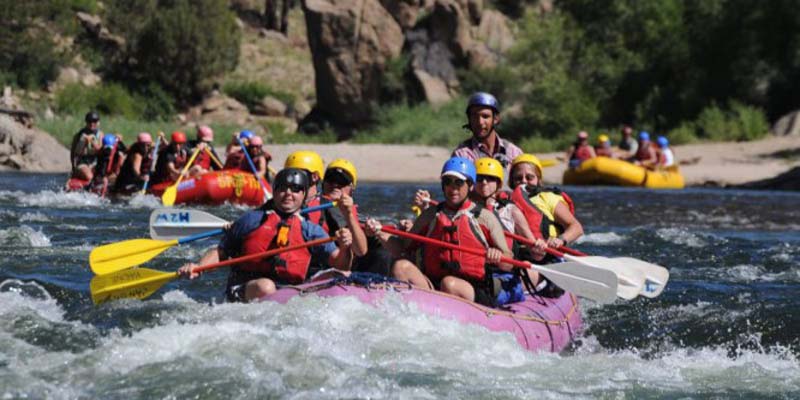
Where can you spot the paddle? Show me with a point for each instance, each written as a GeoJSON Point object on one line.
{"type": "Point", "coordinates": [169, 195]}
{"type": "Point", "coordinates": [140, 283]}
{"type": "Point", "coordinates": [115, 257]}
{"type": "Point", "coordinates": [214, 158]}
{"type": "Point", "coordinates": [583, 280]}
{"type": "Point", "coordinates": [631, 278]}
{"type": "Point", "coordinates": [656, 276]}
{"type": "Point", "coordinates": [175, 223]}
{"type": "Point", "coordinates": [154, 160]}
{"type": "Point", "coordinates": [267, 196]}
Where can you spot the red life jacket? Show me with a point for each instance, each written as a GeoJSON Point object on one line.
{"type": "Point", "coordinates": [274, 232]}
{"type": "Point", "coordinates": [643, 153]}
{"type": "Point", "coordinates": [462, 230]}
{"type": "Point", "coordinates": [315, 216]}
{"type": "Point", "coordinates": [234, 160]}
{"type": "Point", "coordinates": [534, 216]}
{"type": "Point", "coordinates": [582, 153]}
{"type": "Point", "coordinates": [203, 159]}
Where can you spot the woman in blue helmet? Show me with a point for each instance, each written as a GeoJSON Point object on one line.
{"type": "Point", "coordinates": [458, 220]}
{"type": "Point", "coordinates": [646, 154]}
{"type": "Point", "coordinates": [664, 153]}
{"type": "Point", "coordinates": [109, 159]}
{"type": "Point", "coordinates": [483, 117]}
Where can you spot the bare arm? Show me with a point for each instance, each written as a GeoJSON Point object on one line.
{"type": "Point", "coordinates": [572, 227]}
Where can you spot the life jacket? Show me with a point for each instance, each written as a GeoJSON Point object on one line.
{"type": "Point", "coordinates": [463, 230]}
{"type": "Point", "coordinates": [315, 216]}
{"type": "Point", "coordinates": [643, 153]}
{"type": "Point", "coordinates": [582, 153]}
{"type": "Point", "coordinates": [203, 159]}
{"type": "Point", "coordinates": [127, 175]}
{"type": "Point", "coordinates": [603, 151]}
{"type": "Point", "coordinates": [162, 172]}
{"type": "Point", "coordinates": [234, 160]}
{"type": "Point", "coordinates": [274, 232]}
{"type": "Point", "coordinates": [543, 219]}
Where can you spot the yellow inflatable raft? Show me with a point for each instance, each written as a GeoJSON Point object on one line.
{"type": "Point", "coordinates": [608, 171]}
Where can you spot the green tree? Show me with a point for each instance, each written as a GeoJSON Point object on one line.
{"type": "Point", "coordinates": [181, 45]}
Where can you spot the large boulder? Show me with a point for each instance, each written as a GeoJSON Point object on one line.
{"type": "Point", "coordinates": [351, 42]}
{"type": "Point", "coordinates": [26, 149]}
{"type": "Point", "coordinates": [218, 108]}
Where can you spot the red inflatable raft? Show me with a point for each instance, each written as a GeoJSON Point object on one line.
{"type": "Point", "coordinates": [217, 187]}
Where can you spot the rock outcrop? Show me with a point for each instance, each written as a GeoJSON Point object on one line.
{"type": "Point", "coordinates": [789, 180]}
{"type": "Point", "coordinates": [351, 42]}
{"type": "Point", "coordinates": [27, 149]}
{"type": "Point", "coordinates": [788, 124]}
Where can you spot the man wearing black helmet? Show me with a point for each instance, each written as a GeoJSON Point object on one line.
{"type": "Point", "coordinates": [279, 224]}
{"type": "Point", "coordinates": [86, 144]}
{"type": "Point", "coordinates": [483, 116]}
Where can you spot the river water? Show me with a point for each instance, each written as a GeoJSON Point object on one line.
{"type": "Point", "coordinates": [725, 327]}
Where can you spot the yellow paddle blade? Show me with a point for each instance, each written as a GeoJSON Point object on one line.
{"type": "Point", "coordinates": [118, 256]}
{"type": "Point", "coordinates": [136, 283]}
{"type": "Point", "coordinates": [169, 196]}
{"type": "Point", "coordinates": [549, 162]}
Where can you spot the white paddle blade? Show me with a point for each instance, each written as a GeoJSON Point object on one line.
{"type": "Point", "coordinates": [175, 223]}
{"type": "Point", "coordinates": [656, 276]}
{"type": "Point", "coordinates": [630, 279]}
{"type": "Point", "coordinates": [583, 280]}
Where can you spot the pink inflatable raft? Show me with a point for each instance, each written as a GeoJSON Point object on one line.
{"type": "Point", "coordinates": [538, 323]}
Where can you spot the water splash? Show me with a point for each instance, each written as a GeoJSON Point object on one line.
{"type": "Point", "coordinates": [23, 236]}
{"type": "Point", "coordinates": [602, 238]}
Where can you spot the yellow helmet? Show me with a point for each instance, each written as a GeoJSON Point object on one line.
{"type": "Point", "coordinates": [490, 167]}
{"type": "Point", "coordinates": [307, 160]}
{"type": "Point", "coordinates": [527, 158]}
{"type": "Point", "coordinates": [602, 138]}
{"type": "Point", "coordinates": [346, 166]}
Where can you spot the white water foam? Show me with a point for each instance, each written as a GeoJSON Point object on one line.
{"type": "Point", "coordinates": [602, 238]}
{"type": "Point", "coordinates": [34, 217]}
{"type": "Point", "coordinates": [145, 201]}
{"type": "Point", "coordinates": [681, 237]}
{"type": "Point", "coordinates": [49, 198]}
{"type": "Point", "coordinates": [23, 236]}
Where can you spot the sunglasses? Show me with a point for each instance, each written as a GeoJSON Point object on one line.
{"type": "Point", "coordinates": [528, 177]}
{"type": "Point", "coordinates": [487, 178]}
{"type": "Point", "coordinates": [337, 178]}
{"type": "Point", "coordinates": [451, 181]}
{"type": "Point", "coordinates": [292, 187]}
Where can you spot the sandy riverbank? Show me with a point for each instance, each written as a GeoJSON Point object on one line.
{"type": "Point", "coordinates": [714, 163]}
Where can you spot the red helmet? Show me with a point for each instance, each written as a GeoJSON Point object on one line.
{"type": "Point", "coordinates": [178, 137]}
{"type": "Point", "coordinates": [205, 133]}
{"type": "Point", "coordinates": [256, 141]}
{"type": "Point", "coordinates": [144, 137]}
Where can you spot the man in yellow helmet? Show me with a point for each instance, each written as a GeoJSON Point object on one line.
{"type": "Point", "coordinates": [312, 163]}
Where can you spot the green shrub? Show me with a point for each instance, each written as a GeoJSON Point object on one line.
{"type": "Point", "coordinates": [393, 88]}
{"type": "Point", "coordinates": [737, 122]}
{"type": "Point", "coordinates": [685, 133]}
{"type": "Point", "coordinates": [114, 99]}
{"type": "Point", "coordinates": [108, 99]}
{"type": "Point", "coordinates": [251, 93]}
{"type": "Point", "coordinates": [421, 124]}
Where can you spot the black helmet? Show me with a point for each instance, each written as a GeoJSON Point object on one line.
{"type": "Point", "coordinates": [92, 116]}
{"type": "Point", "coordinates": [291, 176]}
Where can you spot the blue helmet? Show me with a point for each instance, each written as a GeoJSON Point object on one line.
{"type": "Point", "coordinates": [644, 135]}
{"type": "Point", "coordinates": [460, 167]}
{"type": "Point", "coordinates": [109, 140]}
{"type": "Point", "coordinates": [245, 134]}
{"type": "Point", "coordinates": [483, 99]}
{"type": "Point", "coordinates": [662, 141]}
